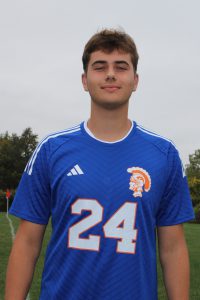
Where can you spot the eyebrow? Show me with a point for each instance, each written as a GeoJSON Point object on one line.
{"type": "Point", "coordinates": [105, 62]}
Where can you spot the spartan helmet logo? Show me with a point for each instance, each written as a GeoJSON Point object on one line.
{"type": "Point", "coordinates": [140, 181]}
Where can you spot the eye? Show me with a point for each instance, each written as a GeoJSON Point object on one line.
{"type": "Point", "coordinates": [99, 68]}
{"type": "Point", "coordinates": [121, 68]}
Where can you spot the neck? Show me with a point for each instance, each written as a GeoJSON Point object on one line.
{"type": "Point", "coordinates": [109, 125]}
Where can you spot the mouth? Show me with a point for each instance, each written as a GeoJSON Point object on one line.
{"type": "Point", "coordinates": [110, 88]}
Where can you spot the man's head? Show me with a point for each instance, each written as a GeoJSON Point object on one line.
{"type": "Point", "coordinates": [110, 63]}
{"type": "Point", "coordinates": [108, 41]}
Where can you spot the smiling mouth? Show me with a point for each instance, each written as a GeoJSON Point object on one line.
{"type": "Point", "coordinates": [110, 88]}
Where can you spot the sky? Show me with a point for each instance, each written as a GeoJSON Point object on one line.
{"type": "Point", "coordinates": [41, 45]}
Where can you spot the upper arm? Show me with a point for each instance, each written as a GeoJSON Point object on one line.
{"type": "Point", "coordinates": [170, 238]}
{"type": "Point", "coordinates": [175, 206]}
{"type": "Point", "coordinates": [30, 234]}
{"type": "Point", "coordinates": [32, 200]}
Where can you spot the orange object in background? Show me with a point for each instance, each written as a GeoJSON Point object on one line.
{"type": "Point", "coordinates": [8, 194]}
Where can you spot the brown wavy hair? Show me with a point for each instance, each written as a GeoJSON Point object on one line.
{"type": "Point", "coordinates": [108, 40]}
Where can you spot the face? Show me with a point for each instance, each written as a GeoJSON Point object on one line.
{"type": "Point", "coordinates": [136, 185]}
{"type": "Point", "coordinates": [110, 78]}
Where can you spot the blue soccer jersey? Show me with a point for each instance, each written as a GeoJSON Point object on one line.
{"type": "Point", "coordinates": [105, 200]}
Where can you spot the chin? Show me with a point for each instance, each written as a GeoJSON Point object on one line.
{"type": "Point", "coordinates": [110, 105]}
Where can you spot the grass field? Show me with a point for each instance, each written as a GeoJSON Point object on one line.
{"type": "Point", "coordinates": [192, 235]}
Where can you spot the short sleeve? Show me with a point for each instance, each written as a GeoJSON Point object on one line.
{"type": "Point", "coordinates": [176, 205]}
{"type": "Point", "coordinates": [32, 201]}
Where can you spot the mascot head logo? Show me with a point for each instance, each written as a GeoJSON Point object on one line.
{"type": "Point", "coordinates": [140, 181]}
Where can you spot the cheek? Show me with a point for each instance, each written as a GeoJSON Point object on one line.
{"type": "Point", "coordinates": [129, 87]}
{"type": "Point", "coordinates": [129, 82]}
{"type": "Point", "coordinates": [132, 83]}
{"type": "Point", "coordinates": [92, 83]}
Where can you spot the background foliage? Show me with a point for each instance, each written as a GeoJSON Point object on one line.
{"type": "Point", "coordinates": [15, 152]}
{"type": "Point", "coordinates": [193, 175]}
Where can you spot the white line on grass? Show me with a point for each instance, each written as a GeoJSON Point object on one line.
{"type": "Point", "coordinates": [12, 230]}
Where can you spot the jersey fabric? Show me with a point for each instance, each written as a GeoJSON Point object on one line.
{"type": "Point", "coordinates": [105, 200]}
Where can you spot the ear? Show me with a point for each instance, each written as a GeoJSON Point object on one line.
{"type": "Point", "coordinates": [135, 82]}
{"type": "Point", "coordinates": [84, 82]}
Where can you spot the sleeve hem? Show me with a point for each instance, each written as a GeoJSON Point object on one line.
{"type": "Point", "coordinates": [176, 222]}
{"type": "Point", "coordinates": [28, 218]}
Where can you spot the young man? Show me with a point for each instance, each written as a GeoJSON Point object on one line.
{"type": "Point", "coordinates": [108, 184]}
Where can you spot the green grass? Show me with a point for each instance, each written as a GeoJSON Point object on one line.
{"type": "Point", "coordinates": [5, 245]}
{"type": "Point", "coordinates": [192, 232]}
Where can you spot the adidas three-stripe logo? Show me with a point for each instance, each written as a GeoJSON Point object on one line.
{"type": "Point", "coordinates": [76, 170]}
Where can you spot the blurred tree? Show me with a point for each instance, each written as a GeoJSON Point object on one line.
{"type": "Point", "coordinates": [15, 152]}
{"type": "Point", "coordinates": [193, 174]}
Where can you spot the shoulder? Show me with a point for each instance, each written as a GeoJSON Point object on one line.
{"type": "Point", "coordinates": [51, 143]}
{"type": "Point", "coordinates": [164, 145]}
{"type": "Point", "coordinates": [56, 139]}
{"type": "Point", "coordinates": [157, 141]}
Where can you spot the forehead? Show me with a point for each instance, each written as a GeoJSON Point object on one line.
{"type": "Point", "coordinates": [112, 57]}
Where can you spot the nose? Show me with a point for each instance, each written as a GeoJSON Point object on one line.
{"type": "Point", "coordinates": [110, 75]}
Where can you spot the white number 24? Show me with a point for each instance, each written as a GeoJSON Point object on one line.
{"type": "Point", "coordinates": [124, 216]}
